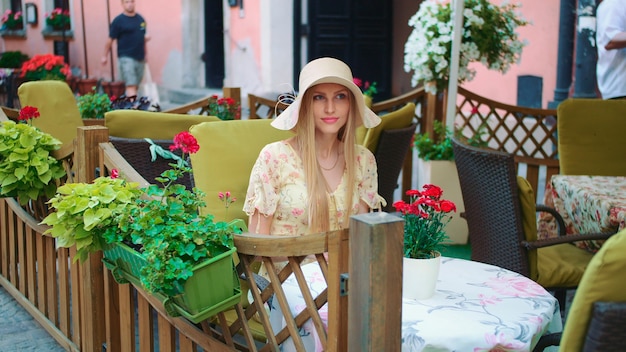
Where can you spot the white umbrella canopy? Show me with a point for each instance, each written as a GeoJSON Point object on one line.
{"type": "Point", "coordinates": [453, 82]}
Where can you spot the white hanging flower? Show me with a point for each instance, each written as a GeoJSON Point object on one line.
{"type": "Point", "coordinates": [488, 37]}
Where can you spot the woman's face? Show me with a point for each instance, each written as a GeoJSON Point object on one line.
{"type": "Point", "coordinates": [331, 107]}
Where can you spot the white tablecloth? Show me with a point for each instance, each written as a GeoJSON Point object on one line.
{"type": "Point", "coordinates": [477, 307]}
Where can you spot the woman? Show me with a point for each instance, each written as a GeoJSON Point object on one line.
{"type": "Point", "coordinates": [314, 181]}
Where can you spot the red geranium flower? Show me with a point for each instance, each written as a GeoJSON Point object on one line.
{"type": "Point", "coordinates": [186, 142]}
{"type": "Point", "coordinates": [27, 113]}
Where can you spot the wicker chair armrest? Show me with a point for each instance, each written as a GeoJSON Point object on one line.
{"type": "Point", "coordinates": [546, 242]}
{"type": "Point", "coordinates": [557, 216]}
{"type": "Point", "coordinates": [606, 329]}
{"type": "Point", "coordinates": [547, 341]}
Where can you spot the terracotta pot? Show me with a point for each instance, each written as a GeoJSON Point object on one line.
{"type": "Point", "coordinates": [116, 88]}
{"type": "Point", "coordinates": [86, 85]}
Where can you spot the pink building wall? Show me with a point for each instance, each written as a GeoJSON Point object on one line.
{"type": "Point", "coordinates": [248, 52]}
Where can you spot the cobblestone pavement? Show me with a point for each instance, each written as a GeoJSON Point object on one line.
{"type": "Point", "coordinates": [19, 331]}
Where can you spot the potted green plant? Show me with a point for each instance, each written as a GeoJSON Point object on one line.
{"type": "Point", "coordinates": [12, 20]}
{"type": "Point", "coordinates": [27, 169]}
{"type": "Point", "coordinates": [160, 242]}
{"type": "Point", "coordinates": [436, 162]}
{"type": "Point", "coordinates": [58, 19]}
{"type": "Point", "coordinates": [426, 217]}
{"type": "Point", "coordinates": [93, 105]}
{"type": "Point", "coordinates": [12, 59]}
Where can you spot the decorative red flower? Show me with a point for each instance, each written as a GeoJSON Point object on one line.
{"type": "Point", "coordinates": [425, 218]}
{"type": "Point", "coordinates": [186, 142]}
{"type": "Point", "coordinates": [27, 113]}
{"type": "Point", "coordinates": [114, 174]}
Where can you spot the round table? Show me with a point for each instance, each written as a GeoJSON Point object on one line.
{"type": "Point", "coordinates": [476, 307]}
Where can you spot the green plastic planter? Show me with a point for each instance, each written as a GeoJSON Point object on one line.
{"type": "Point", "coordinates": [212, 288]}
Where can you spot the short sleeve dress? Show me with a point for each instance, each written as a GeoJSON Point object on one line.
{"type": "Point", "coordinates": [277, 188]}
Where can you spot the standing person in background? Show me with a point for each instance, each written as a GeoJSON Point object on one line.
{"type": "Point", "coordinates": [129, 29]}
{"type": "Point", "coordinates": [611, 42]}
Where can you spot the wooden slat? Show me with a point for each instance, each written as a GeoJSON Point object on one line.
{"type": "Point", "coordinates": [31, 258]}
{"type": "Point", "coordinates": [77, 316]}
{"type": "Point", "coordinates": [146, 334]}
{"type": "Point", "coordinates": [4, 238]}
{"type": "Point", "coordinates": [127, 318]}
{"type": "Point", "coordinates": [112, 312]}
{"type": "Point", "coordinates": [167, 335]}
{"type": "Point", "coordinates": [51, 280]}
{"type": "Point", "coordinates": [41, 273]}
{"type": "Point", "coordinates": [64, 291]}
{"type": "Point", "coordinates": [186, 345]}
{"type": "Point", "coordinates": [11, 233]}
{"type": "Point", "coordinates": [21, 257]}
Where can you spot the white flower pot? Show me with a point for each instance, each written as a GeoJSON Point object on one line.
{"type": "Point", "coordinates": [443, 174]}
{"type": "Point", "coordinates": [419, 277]}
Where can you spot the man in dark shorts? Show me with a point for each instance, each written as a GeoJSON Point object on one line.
{"type": "Point", "coordinates": [129, 29]}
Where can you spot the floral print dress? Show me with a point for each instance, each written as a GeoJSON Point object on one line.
{"type": "Point", "coordinates": [277, 188]}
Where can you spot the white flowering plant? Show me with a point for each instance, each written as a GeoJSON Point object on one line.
{"type": "Point", "coordinates": [489, 37]}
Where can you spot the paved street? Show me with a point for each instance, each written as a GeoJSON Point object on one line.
{"type": "Point", "coordinates": [19, 331]}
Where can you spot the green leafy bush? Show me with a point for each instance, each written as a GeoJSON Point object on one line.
{"type": "Point", "coordinates": [27, 170]}
{"type": "Point", "coordinates": [93, 105]}
{"type": "Point", "coordinates": [12, 59]}
{"type": "Point", "coordinates": [440, 148]}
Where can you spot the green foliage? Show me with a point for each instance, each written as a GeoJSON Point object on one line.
{"type": "Point", "coordinates": [27, 170]}
{"type": "Point", "coordinates": [440, 148]}
{"type": "Point", "coordinates": [88, 213]}
{"type": "Point", "coordinates": [173, 235]}
{"type": "Point", "coordinates": [12, 59]}
{"type": "Point", "coordinates": [93, 105]}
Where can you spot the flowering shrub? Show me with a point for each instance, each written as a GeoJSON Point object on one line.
{"type": "Point", "coordinates": [12, 20]}
{"type": "Point", "coordinates": [224, 108]}
{"type": "Point", "coordinates": [58, 19]}
{"type": "Point", "coordinates": [45, 66]}
{"type": "Point", "coordinates": [488, 37]}
{"type": "Point", "coordinates": [27, 170]}
{"type": "Point", "coordinates": [368, 89]}
{"type": "Point", "coordinates": [425, 219]}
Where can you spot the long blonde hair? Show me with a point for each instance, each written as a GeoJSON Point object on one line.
{"type": "Point", "coordinates": [318, 206]}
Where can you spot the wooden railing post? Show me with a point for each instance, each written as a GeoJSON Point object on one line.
{"type": "Point", "coordinates": [375, 282]}
{"type": "Point", "coordinates": [92, 318]}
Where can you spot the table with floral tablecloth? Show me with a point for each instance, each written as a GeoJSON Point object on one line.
{"type": "Point", "coordinates": [589, 204]}
{"type": "Point", "coordinates": [477, 307]}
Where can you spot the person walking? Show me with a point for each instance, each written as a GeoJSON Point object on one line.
{"type": "Point", "coordinates": [129, 30]}
{"type": "Point", "coordinates": [611, 42]}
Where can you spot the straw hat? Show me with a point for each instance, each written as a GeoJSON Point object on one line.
{"type": "Point", "coordinates": [325, 70]}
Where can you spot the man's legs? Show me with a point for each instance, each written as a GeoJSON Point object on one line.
{"type": "Point", "coordinates": [131, 71]}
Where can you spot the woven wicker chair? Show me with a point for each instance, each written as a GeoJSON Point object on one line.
{"type": "Point", "coordinates": [494, 209]}
{"type": "Point", "coordinates": [137, 153]}
{"type": "Point", "coordinates": [391, 151]}
{"type": "Point", "coordinates": [597, 317]}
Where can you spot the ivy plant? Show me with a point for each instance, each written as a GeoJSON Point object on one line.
{"type": "Point", "coordinates": [27, 169]}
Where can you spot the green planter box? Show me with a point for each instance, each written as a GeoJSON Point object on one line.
{"type": "Point", "coordinates": [212, 288]}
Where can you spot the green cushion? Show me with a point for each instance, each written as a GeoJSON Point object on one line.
{"type": "Point", "coordinates": [529, 220]}
{"type": "Point", "coordinates": [228, 150]}
{"type": "Point", "coordinates": [361, 131]}
{"type": "Point", "coordinates": [147, 124]}
{"type": "Point", "coordinates": [400, 118]}
{"type": "Point", "coordinates": [602, 281]}
{"type": "Point", "coordinates": [57, 107]}
{"type": "Point", "coordinates": [591, 137]}
{"type": "Point", "coordinates": [561, 265]}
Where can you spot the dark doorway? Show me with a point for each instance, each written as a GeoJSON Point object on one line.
{"type": "Point", "coordinates": [358, 32]}
{"type": "Point", "coordinates": [213, 56]}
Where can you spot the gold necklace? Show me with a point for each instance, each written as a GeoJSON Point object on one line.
{"type": "Point", "coordinates": [335, 164]}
